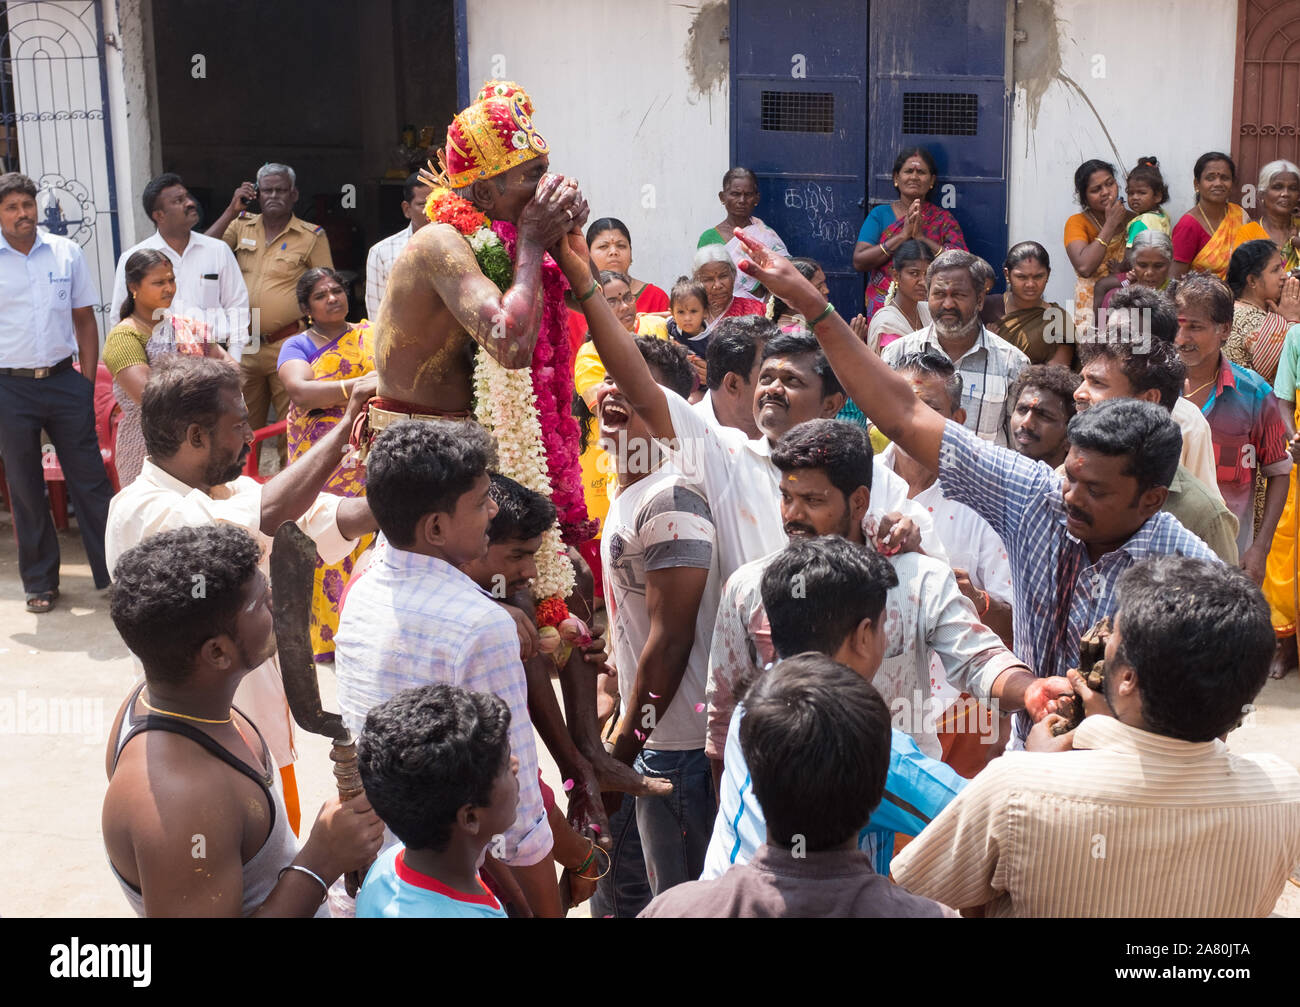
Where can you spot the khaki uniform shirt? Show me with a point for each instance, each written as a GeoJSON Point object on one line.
{"type": "Point", "coordinates": [271, 273]}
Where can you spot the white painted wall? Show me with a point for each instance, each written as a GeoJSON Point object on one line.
{"type": "Point", "coordinates": [1167, 91]}
{"type": "Point", "coordinates": [615, 102]}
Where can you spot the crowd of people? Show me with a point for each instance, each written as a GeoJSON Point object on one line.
{"type": "Point", "coordinates": [817, 585]}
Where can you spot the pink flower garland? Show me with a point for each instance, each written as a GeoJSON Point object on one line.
{"type": "Point", "coordinates": [552, 372]}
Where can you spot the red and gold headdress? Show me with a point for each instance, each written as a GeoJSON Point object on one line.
{"type": "Point", "coordinates": [505, 89]}
{"type": "Point", "coordinates": [490, 137]}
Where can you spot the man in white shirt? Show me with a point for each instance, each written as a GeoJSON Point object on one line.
{"type": "Point", "coordinates": [795, 384]}
{"type": "Point", "coordinates": [827, 482]}
{"type": "Point", "coordinates": [209, 285]}
{"type": "Point", "coordinates": [734, 355]}
{"type": "Point", "coordinates": [988, 363]}
{"type": "Point", "coordinates": [383, 253]}
{"type": "Point", "coordinates": [196, 429]}
{"type": "Point", "coordinates": [47, 316]}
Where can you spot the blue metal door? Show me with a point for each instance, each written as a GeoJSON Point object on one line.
{"type": "Point", "coordinates": [798, 121]}
{"type": "Point", "coordinates": [939, 81]}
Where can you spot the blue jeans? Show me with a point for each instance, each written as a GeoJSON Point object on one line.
{"type": "Point", "coordinates": [658, 841]}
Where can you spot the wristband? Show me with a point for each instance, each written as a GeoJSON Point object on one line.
{"type": "Point", "coordinates": [987, 603]}
{"type": "Point", "coordinates": [590, 293]}
{"type": "Point", "coordinates": [822, 315]}
{"type": "Point", "coordinates": [325, 889]}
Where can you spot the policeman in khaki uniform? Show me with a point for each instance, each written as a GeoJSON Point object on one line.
{"type": "Point", "coordinates": [273, 248]}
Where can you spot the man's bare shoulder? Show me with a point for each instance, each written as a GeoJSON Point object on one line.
{"type": "Point", "coordinates": [438, 236]}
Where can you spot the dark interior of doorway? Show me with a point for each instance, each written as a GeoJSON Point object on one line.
{"type": "Point", "coordinates": [327, 88]}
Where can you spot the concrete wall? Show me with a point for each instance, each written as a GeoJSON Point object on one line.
{"type": "Point", "coordinates": [633, 102]}
{"type": "Point", "coordinates": [131, 89]}
{"type": "Point", "coordinates": [1103, 78]}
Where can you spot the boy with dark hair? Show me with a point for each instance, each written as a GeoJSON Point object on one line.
{"type": "Point", "coordinates": [505, 572]}
{"type": "Point", "coordinates": [193, 759]}
{"type": "Point", "coordinates": [1145, 786]}
{"type": "Point", "coordinates": [1041, 406]}
{"type": "Point", "coordinates": [413, 617]}
{"type": "Point", "coordinates": [436, 764]}
{"type": "Point", "coordinates": [735, 353]}
{"type": "Point", "coordinates": [816, 737]}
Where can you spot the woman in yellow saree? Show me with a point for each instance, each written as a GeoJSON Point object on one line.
{"type": "Point", "coordinates": [1206, 236]}
{"type": "Point", "coordinates": [320, 368]}
{"type": "Point", "coordinates": [1281, 583]}
{"type": "Point", "coordinates": [1094, 239]}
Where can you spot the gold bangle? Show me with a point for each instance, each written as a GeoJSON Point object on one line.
{"type": "Point", "coordinates": [608, 863]}
{"type": "Point", "coordinates": [344, 386]}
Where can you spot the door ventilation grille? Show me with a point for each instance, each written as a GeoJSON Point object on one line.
{"type": "Point", "coordinates": [798, 112]}
{"type": "Point", "coordinates": [930, 113]}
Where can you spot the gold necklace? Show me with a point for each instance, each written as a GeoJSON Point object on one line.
{"type": "Point", "coordinates": [1188, 395]}
{"type": "Point", "coordinates": [183, 716]}
{"type": "Point", "coordinates": [1206, 220]}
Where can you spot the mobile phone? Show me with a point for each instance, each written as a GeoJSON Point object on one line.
{"type": "Point", "coordinates": [248, 202]}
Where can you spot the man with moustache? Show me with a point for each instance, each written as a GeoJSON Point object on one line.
{"type": "Point", "coordinates": [1068, 540]}
{"type": "Point", "coordinates": [209, 286]}
{"type": "Point", "coordinates": [795, 384]}
{"type": "Point", "coordinates": [197, 432]}
{"type": "Point", "coordinates": [987, 363]}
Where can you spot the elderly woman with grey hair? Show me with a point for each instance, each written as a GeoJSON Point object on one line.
{"type": "Point", "coordinates": [1151, 257]}
{"type": "Point", "coordinates": [1279, 198]}
{"type": "Point", "coordinates": [713, 268]}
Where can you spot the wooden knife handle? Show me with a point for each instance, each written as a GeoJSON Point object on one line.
{"type": "Point", "coordinates": [348, 780]}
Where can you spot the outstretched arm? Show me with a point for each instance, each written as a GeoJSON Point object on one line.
{"type": "Point", "coordinates": [618, 352]}
{"type": "Point", "coordinates": [885, 397]}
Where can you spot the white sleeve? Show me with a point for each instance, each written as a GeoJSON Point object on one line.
{"type": "Point", "coordinates": [1198, 444]}
{"type": "Point", "coordinates": [374, 283]}
{"type": "Point", "coordinates": [889, 493]}
{"type": "Point", "coordinates": [234, 300]}
{"type": "Point", "coordinates": [119, 288]}
{"type": "Point", "coordinates": [698, 449]}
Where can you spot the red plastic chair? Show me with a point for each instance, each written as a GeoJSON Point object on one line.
{"type": "Point", "coordinates": [252, 467]}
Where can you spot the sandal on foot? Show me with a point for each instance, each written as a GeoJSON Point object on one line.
{"type": "Point", "coordinates": [41, 602]}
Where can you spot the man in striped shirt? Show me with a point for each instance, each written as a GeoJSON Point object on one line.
{"type": "Point", "coordinates": [1148, 813]}
{"type": "Point", "coordinates": [1068, 540]}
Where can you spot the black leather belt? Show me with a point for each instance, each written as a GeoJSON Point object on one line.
{"type": "Point", "coordinates": [37, 372]}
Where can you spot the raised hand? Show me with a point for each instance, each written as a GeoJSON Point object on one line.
{"type": "Point", "coordinates": [775, 272]}
{"type": "Point", "coordinates": [550, 213]}
{"type": "Point", "coordinates": [1288, 305]}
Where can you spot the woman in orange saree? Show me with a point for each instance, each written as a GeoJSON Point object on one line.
{"type": "Point", "coordinates": [319, 369]}
{"type": "Point", "coordinates": [1281, 583]}
{"type": "Point", "coordinates": [1094, 239]}
{"type": "Point", "coordinates": [1206, 236]}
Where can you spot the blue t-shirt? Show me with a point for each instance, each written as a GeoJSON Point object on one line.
{"type": "Point", "coordinates": [877, 220]}
{"type": "Point", "coordinates": [394, 891]}
{"type": "Point", "coordinates": [916, 790]}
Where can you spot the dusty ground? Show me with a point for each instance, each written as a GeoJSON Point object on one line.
{"type": "Point", "coordinates": [62, 677]}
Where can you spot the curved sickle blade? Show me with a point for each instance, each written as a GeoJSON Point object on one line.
{"type": "Point", "coordinates": [293, 579]}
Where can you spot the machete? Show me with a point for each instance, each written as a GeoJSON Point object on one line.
{"type": "Point", "coordinates": [293, 581]}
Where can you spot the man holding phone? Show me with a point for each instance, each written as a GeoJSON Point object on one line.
{"type": "Point", "coordinates": [273, 248]}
